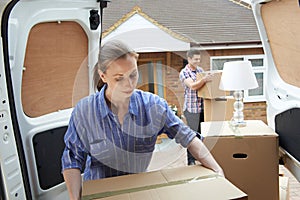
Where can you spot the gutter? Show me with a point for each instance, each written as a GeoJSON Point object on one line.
{"type": "Point", "coordinates": [234, 45]}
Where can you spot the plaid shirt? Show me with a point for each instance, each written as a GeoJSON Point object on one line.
{"type": "Point", "coordinates": [115, 149]}
{"type": "Point", "coordinates": [192, 103]}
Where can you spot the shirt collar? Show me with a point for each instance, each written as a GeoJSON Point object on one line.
{"type": "Point", "coordinates": [104, 109]}
{"type": "Point", "coordinates": [133, 104]}
{"type": "Point", "coordinates": [190, 68]}
{"type": "Point", "coordinates": [198, 69]}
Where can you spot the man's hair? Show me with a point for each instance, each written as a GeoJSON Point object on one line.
{"type": "Point", "coordinates": [190, 53]}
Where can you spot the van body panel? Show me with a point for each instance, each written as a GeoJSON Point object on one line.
{"type": "Point", "coordinates": [278, 24]}
{"type": "Point", "coordinates": [48, 51]}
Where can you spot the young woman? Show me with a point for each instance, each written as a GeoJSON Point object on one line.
{"type": "Point", "coordinates": [117, 126]}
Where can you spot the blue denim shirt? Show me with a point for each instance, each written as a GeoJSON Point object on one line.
{"type": "Point", "coordinates": [113, 149]}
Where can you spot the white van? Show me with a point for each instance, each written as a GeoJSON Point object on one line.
{"type": "Point", "coordinates": [48, 49]}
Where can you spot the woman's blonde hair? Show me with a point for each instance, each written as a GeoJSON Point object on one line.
{"type": "Point", "coordinates": [109, 52]}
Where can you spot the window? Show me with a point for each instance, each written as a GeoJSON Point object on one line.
{"type": "Point", "coordinates": [151, 77]}
{"type": "Point", "coordinates": [259, 68]}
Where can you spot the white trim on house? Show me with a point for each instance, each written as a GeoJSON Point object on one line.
{"type": "Point", "coordinates": [144, 36]}
{"type": "Point", "coordinates": [230, 46]}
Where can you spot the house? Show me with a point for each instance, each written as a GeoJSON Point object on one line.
{"type": "Point", "coordinates": [162, 31]}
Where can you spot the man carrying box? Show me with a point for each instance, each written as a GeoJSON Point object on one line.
{"type": "Point", "coordinates": [193, 105]}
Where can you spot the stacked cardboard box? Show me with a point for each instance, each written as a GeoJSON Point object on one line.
{"type": "Point", "coordinates": [218, 109]}
{"type": "Point", "coordinates": [218, 106]}
{"type": "Point", "coordinates": [189, 182]}
{"type": "Point", "coordinates": [248, 155]}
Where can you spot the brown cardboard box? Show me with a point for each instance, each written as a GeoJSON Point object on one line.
{"type": "Point", "coordinates": [218, 109]}
{"type": "Point", "coordinates": [211, 89]}
{"type": "Point", "coordinates": [248, 156]}
{"type": "Point", "coordinates": [190, 182]}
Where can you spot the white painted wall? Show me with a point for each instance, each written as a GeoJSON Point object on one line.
{"type": "Point", "coordinates": [144, 36]}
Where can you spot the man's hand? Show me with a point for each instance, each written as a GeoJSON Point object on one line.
{"type": "Point", "coordinates": [208, 77]}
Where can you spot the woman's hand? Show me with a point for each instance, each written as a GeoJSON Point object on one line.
{"type": "Point", "coordinates": [202, 154]}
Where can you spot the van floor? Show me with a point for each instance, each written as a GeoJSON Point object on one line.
{"type": "Point", "coordinates": [168, 154]}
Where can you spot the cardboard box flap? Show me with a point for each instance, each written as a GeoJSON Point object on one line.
{"type": "Point", "coordinates": [211, 188]}
{"type": "Point", "coordinates": [187, 173]}
{"type": "Point", "coordinates": [224, 128]}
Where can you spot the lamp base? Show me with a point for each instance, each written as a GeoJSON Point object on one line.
{"type": "Point", "coordinates": [238, 115]}
{"type": "Point", "coordinates": [238, 124]}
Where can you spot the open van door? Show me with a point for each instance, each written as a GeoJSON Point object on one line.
{"type": "Point", "coordinates": [47, 52]}
{"type": "Point", "coordinates": [279, 27]}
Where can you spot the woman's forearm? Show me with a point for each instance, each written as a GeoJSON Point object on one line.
{"type": "Point", "coordinates": [202, 154]}
{"type": "Point", "coordinates": [73, 182]}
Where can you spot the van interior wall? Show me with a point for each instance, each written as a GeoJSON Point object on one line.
{"type": "Point", "coordinates": [283, 27]}
{"type": "Point", "coordinates": [55, 74]}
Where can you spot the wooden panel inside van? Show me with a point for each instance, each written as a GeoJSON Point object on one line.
{"type": "Point", "coordinates": [283, 31]}
{"type": "Point", "coordinates": [55, 74]}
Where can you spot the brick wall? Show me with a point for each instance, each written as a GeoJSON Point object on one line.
{"type": "Point", "coordinates": [173, 82]}
{"type": "Point", "coordinates": [256, 110]}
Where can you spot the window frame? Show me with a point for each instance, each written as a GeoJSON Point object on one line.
{"type": "Point", "coordinates": [256, 69]}
{"type": "Point", "coordinates": [155, 64]}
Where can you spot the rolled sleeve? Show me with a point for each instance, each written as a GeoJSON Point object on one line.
{"type": "Point", "coordinates": [73, 155]}
{"type": "Point", "coordinates": [185, 135]}
{"type": "Point", "coordinates": [177, 129]}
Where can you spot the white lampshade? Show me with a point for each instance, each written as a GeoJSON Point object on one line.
{"type": "Point", "coordinates": [238, 75]}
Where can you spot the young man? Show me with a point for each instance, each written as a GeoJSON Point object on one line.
{"type": "Point", "coordinates": [193, 105]}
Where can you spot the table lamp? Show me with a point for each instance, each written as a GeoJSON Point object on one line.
{"type": "Point", "coordinates": [238, 76]}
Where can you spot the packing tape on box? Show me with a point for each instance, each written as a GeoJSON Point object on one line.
{"type": "Point", "coordinates": [149, 187]}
